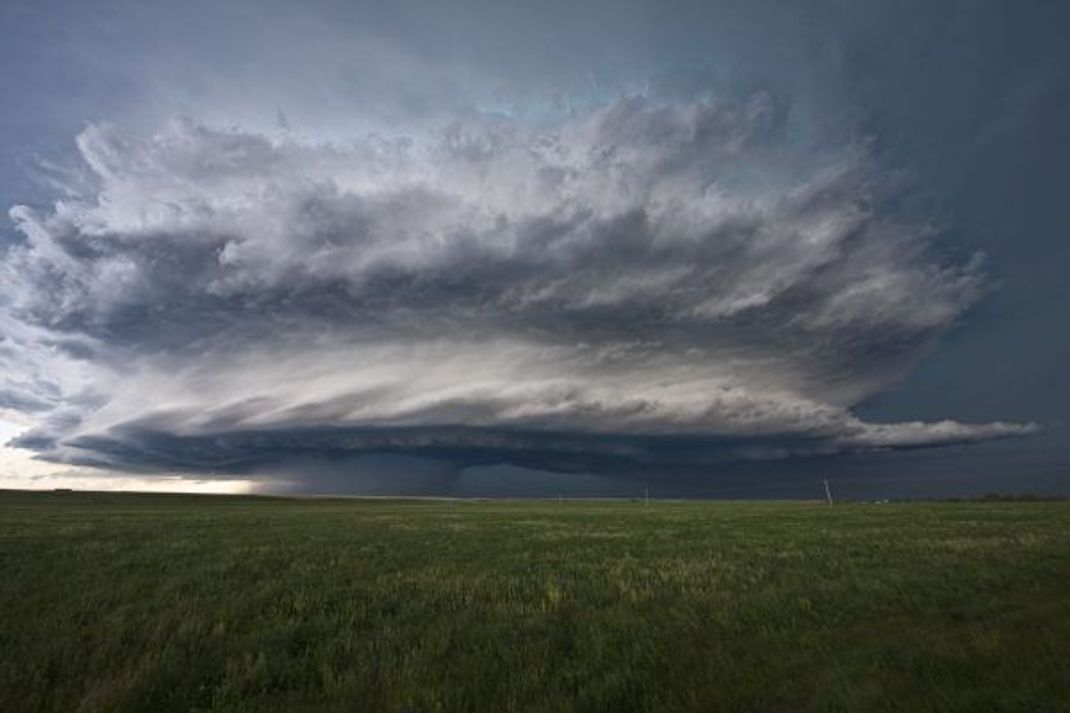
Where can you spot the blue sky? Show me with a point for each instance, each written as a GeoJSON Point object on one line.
{"type": "Point", "coordinates": [714, 249]}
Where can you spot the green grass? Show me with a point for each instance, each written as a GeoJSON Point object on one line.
{"type": "Point", "coordinates": [158, 603]}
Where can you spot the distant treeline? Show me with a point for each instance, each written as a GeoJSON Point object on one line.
{"type": "Point", "coordinates": [986, 498]}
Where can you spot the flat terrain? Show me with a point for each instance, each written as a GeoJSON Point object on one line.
{"type": "Point", "coordinates": [160, 603]}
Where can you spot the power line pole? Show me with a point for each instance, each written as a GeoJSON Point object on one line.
{"type": "Point", "coordinates": [828, 493]}
{"type": "Point", "coordinates": [646, 497]}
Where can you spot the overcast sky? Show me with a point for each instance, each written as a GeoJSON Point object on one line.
{"type": "Point", "coordinates": [715, 249]}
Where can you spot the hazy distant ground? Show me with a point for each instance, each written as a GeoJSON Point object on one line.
{"type": "Point", "coordinates": [156, 603]}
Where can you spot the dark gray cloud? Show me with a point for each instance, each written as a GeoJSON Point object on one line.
{"type": "Point", "coordinates": [648, 282]}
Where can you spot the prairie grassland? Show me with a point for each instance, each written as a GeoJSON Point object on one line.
{"type": "Point", "coordinates": [206, 603]}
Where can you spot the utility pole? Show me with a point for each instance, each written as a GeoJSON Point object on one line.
{"type": "Point", "coordinates": [646, 497]}
{"type": "Point", "coordinates": [828, 493]}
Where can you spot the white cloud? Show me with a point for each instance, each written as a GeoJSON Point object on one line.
{"type": "Point", "coordinates": [650, 269]}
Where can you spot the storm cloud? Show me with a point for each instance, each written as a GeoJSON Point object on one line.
{"type": "Point", "coordinates": [645, 282]}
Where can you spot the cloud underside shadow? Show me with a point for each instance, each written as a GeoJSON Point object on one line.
{"type": "Point", "coordinates": [456, 448]}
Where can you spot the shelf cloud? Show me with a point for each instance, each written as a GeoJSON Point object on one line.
{"type": "Point", "coordinates": [641, 282]}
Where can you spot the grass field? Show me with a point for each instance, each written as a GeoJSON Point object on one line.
{"type": "Point", "coordinates": [160, 603]}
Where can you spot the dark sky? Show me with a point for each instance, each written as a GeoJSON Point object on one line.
{"type": "Point", "coordinates": [713, 249]}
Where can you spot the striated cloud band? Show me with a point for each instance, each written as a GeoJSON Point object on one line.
{"type": "Point", "coordinates": [646, 282]}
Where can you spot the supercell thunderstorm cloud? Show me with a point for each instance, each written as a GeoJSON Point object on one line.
{"type": "Point", "coordinates": [639, 283]}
